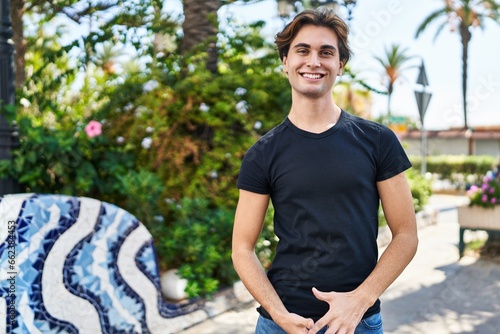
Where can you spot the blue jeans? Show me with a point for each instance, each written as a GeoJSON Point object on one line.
{"type": "Point", "coordinates": [370, 325]}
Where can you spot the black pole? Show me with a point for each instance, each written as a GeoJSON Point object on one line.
{"type": "Point", "coordinates": [8, 135]}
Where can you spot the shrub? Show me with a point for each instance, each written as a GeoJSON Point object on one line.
{"type": "Point", "coordinates": [197, 241]}
{"type": "Point", "coordinates": [420, 188]}
{"type": "Point", "coordinates": [447, 165]}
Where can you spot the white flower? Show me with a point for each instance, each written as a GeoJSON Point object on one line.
{"type": "Point", "coordinates": [129, 106]}
{"type": "Point", "coordinates": [149, 86]}
{"type": "Point", "coordinates": [241, 107]}
{"type": "Point", "coordinates": [146, 143]}
{"type": "Point", "coordinates": [140, 110]}
{"type": "Point", "coordinates": [257, 125]}
{"type": "Point", "coordinates": [149, 129]}
{"type": "Point", "coordinates": [120, 139]}
{"type": "Point", "coordinates": [214, 174]}
{"type": "Point", "coordinates": [240, 91]}
{"type": "Point", "coordinates": [204, 107]}
{"type": "Point", "coordinates": [191, 68]}
{"type": "Point", "coordinates": [228, 155]}
{"type": "Point", "coordinates": [159, 218]}
{"type": "Point", "coordinates": [24, 102]}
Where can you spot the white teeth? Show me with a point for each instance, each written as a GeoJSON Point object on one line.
{"type": "Point", "coordinates": [311, 75]}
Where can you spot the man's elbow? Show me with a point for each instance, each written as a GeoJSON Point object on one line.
{"type": "Point", "coordinates": [414, 243]}
{"type": "Point", "coordinates": [238, 253]}
{"type": "Point", "coordinates": [408, 238]}
{"type": "Point", "coordinates": [411, 241]}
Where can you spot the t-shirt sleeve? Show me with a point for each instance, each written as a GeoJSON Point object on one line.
{"type": "Point", "coordinates": [392, 157]}
{"type": "Point", "coordinates": [253, 176]}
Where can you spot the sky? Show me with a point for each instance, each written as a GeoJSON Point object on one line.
{"type": "Point", "coordinates": [376, 24]}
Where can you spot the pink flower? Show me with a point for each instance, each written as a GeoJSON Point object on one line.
{"type": "Point", "coordinates": [93, 129]}
{"type": "Point", "coordinates": [472, 190]}
{"type": "Point", "coordinates": [492, 190]}
{"type": "Point", "coordinates": [484, 198]}
{"type": "Point", "coordinates": [493, 200]}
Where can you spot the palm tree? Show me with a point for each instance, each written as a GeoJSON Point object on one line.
{"type": "Point", "coordinates": [353, 95]}
{"type": "Point", "coordinates": [461, 16]}
{"type": "Point", "coordinates": [200, 26]}
{"type": "Point", "coordinates": [393, 62]}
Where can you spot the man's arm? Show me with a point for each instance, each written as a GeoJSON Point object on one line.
{"type": "Point", "coordinates": [249, 219]}
{"type": "Point", "coordinates": [347, 309]}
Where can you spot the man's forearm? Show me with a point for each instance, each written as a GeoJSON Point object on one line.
{"type": "Point", "coordinates": [255, 280]}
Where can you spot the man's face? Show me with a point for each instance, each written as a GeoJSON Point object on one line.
{"type": "Point", "coordinates": [313, 63]}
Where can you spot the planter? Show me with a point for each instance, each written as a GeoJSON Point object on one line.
{"type": "Point", "coordinates": [173, 286]}
{"type": "Point", "coordinates": [477, 218]}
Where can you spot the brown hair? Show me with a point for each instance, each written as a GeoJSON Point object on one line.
{"type": "Point", "coordinates": [321, 17]}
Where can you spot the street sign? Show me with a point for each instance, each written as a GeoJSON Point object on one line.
{"type": "Point", "coordinates": [423, 99]}
{"type": "Point", "coordinates": [422, 76]}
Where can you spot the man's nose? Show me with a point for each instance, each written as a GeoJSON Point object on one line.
{"type": "Point", "coordinates": [313, 60]}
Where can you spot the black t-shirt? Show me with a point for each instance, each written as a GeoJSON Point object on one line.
{"type": "Point", "coordinates": [324, 191]}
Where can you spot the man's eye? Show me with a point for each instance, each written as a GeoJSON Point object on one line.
{"type": "Point", "coordinates": [302, 51]}
{"type": "Point", "coordinates": [327, 53]}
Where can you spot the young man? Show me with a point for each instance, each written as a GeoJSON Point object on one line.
{"type": "Point", "coordinates": [325, 172]}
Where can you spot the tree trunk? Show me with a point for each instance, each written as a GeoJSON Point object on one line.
{"type": "Point", "coordinates": [200, 27]}
{"type": "Point", "coordinates": [17, 8]}
{"type": "Point", "coordinates": [466, 36]}
{"type": "Point", "coordinates": [389, 96]}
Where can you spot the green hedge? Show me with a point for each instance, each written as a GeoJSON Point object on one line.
{"type": "Point", "coordinates": [447, 165]}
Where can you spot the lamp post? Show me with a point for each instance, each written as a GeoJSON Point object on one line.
{"type": "Point", "coordinates": [8, 134]}
{"type": "Point", "coordinates": [423, 97]}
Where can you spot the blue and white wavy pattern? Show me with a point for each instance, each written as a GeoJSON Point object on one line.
{"type": "Point", "coordinates": [81, 266]}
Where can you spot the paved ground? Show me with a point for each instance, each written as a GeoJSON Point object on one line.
{"type": "Point", "coordinates": [438, 293]}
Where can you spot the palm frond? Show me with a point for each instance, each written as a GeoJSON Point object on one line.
{"type": "Point", "coordinates": [429, 19]}
{"type": "Point", "coordinates": [438, 31]}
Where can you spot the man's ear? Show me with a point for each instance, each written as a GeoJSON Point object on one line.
{"type": "Point", "coordinates": [341, 69]}
{"type": "Point", "coordinates": [285, 64]}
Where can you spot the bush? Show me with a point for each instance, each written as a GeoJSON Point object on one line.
{"type": "Point", "coordinates": [420, 188]}
{"type": "Point", "coordinates": [197, 241]}
{"type": "Point", "coordinates": [447, 165]}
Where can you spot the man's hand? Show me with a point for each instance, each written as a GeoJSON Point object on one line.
{"type": "Point", "coordinates": [295, 324]}
{"type": "Point", "coordinates": [344, 315]}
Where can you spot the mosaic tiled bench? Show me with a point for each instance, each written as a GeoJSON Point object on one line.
{"type": "Point", "coordinates": [78, 265]}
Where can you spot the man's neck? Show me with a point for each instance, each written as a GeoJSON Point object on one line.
{"type": "Point", "coordinates": [314, 116]}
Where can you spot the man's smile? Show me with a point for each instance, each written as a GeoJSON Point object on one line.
{"type": "Point", "coordinates": [312, 75]}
